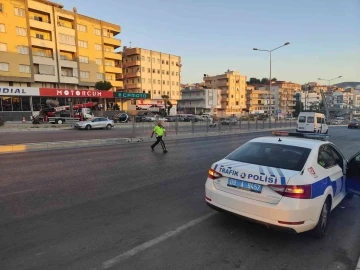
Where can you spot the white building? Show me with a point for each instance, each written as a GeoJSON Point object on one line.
{"type": "Point", "coordinates": [196, 100]}
{"type": "Point", "coordinates": [310, 100]}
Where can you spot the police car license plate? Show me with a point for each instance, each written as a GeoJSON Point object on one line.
{"type": "Point", "coordinates": [244, 185]}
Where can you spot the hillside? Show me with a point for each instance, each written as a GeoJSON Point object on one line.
{"type": "Point", "coordinates": [347, 84]}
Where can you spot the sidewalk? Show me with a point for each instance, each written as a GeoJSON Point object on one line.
{"type": "Point", "coordinates": [27, 147]}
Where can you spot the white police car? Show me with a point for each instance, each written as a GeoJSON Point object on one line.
{"type": "Point", "coordinates": [290, 182]}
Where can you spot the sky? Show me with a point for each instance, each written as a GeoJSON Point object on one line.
{"type": "Point", "coordinates": [212, 36]}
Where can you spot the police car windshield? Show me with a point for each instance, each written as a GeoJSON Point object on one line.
{"type": "Point", "coordinates": [271, 155]}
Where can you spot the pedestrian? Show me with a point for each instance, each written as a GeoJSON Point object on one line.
{"type": "Point", "coordinates": [159, 132]}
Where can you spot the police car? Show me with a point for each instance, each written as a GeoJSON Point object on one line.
{"type": "Point", "coordinates": [289, 181]}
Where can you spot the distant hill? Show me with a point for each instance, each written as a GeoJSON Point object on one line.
{"type": "Point", "coordinates": [347, 84]}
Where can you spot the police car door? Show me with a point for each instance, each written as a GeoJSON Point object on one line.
{"type": "Point", "coordinates": [353, 174]}
{"type": "Point", "coordinates": [333, 165]}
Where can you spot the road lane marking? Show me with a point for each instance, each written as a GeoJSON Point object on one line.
{"type": "Point", "coordinates": [153, 242]}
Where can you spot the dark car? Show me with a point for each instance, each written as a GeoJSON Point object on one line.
{"type": "Point", "coordinates": [353, 124]}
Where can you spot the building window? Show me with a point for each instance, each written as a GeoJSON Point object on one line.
{"type": "Point", "coordinates": [99, 76]}
{"type": "Point", "coordinates": [153, 70]}
{"type": "Point", "coordinates": [21, 31]}
{"type": "Point", "coordinates": [2, 28]}
{"type": "Point", "coordinates": [98, 61]}
{"type": "Point", "coordinates": [167, 72]}
{"type": "Point", "coordinates": [84, 59]}
{"type": "Point", "coordinates": [84, 74]}
{"type": "Point", "coordinates": [177, 83]}
{"type": "Point", "coordinates": [81, 28]}
{"type": "Point", "coordinates": [142, 58]}
{"type": "Point", "coordinates": [177, 74]}
{"type": "Point", "coordinates": [159, 82]}
{"type": "Point", "coordinates": [163, 82]}
{"type": "Point", "coordinates": [149, 80]}
{"type": "Point", "coordinates": [20, 12]}
{"type": "Point", "coordinates": [167, 62]}
{"type": "Point", "coordinates": [172, 73]}
{"type": "Point", "coordinates": [158, 60]}
{"type": "Point", "coordinates": [163, 71]}
{"type": "Point", "coordinates": [237, 103]}
{"type": "Point", "coordinates": [172, 63]}
{"type": "Point", "coordinates": [69, 40]}
{"type": "Point", "coordinates": [168, 83]}
{"type": "Point", "coordinates": [23, 49]}
{"type": "Point", "coordinates": [1, 7]}
{"type": "Point", "coordinates": [162, 62]}
{"type": "Point", "coordinates": [98, 47]}
{"type": "Point", "coordinates": [83, 44]}
{"type": "Point", "coordinates": [158, 71]}
{"type": "Point", "coordinates": [97, 31]}
{"type": "Point", "coordinates": [4, 66]}
{"type": "Point", "coordinates": [3, 47]}
{"type": "Point", "coordinates": [143, 69]}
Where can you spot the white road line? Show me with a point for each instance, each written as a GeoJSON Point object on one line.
{"type": "Point", "coordinates": [358, 265]}
{"type": "Point", "coordinates": [157, 240]}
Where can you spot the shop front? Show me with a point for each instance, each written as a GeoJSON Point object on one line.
{"type": "Point", "coordinates": [19, 102]}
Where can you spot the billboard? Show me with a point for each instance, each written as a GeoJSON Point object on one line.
{"type": "Point", "coordinates": [57, 92]}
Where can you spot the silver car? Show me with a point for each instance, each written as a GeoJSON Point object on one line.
{"type": "Point", "coordinates": [95, 123]}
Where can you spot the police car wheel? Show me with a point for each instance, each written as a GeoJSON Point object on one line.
{"type": "Point", "coordinates": [323, 223]}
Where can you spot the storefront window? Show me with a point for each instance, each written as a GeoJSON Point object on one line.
{"type": "Point", "coordinates": [6, 104]}
{"type": "Point", "coordinates": [16, 103]}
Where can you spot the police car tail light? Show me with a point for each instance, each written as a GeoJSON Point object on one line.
{"type": "Point", "coordinates": [297, 192]}
{"type": "Point", "coordinates": [214, 174]}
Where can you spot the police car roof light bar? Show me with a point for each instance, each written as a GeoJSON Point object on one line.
{"type": "Point", "coordinates": [313, 136]}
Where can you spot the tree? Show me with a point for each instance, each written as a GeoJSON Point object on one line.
{"type": "Point", "coordinates": [103, 85]}
{"type": "Point", "coordinates": [254, 81]}
{"type": "Point", "coordinates": [166, 99]}
{"type": "Point", "coordinates": [299, 107]}
{"type": "Point", "coordinates": [169, 106]}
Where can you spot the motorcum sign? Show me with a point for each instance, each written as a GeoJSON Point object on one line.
{"type": "Point", "coordinates": [131, 95]}
{"type": "Point", "coordinates": [56, 92]}
{"type": "Point", "coordinates": [19, 91]}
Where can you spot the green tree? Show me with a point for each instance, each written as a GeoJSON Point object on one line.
{"type": "Point", "coordinates": [103, 85]}
{"type": "Point", "coordinates": [166, 100]}
{"type": "Point", "coordinates": [299, 107]}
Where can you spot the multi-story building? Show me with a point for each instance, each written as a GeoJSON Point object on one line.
{"type": "Point", "coordinates": [199, 100]}
{"type": "Point", "coordinates": [281, 100]}
{"type": "Point", "coordinates": [154, 73]}
{"type": "Point", "coordinates": [233, 91]}
{"type": "Point", "coordinates": [44, 46]}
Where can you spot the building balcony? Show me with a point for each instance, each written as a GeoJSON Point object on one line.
{"type": "Point", "coordinates": [112, 55]}
{"type": "Point", "coordinates": [132, 64]}
{"type": "Point", "coordinates": [69, 79]}
{"type": "Point", "coordinates": [68, 63]}
{"type": "Point", "coordinates": [132, 75]}
{"type": "Point", "coordinates": [119, 76]}
{"type": "Point", "coordinates": [133, 51]}
{"type": "Point", "coordinates": [44, 60]}
{"type": "Point", "coordinates": [113, 69]}
{"type": "Point", "coordinates": [116, 43]}
{"type": "Point", "coordinates": [45, 78]}
{"type": "Point", "coordinates": [66, 30]}
{"type": "Point", "coordinates": [43, 25]}
{"type": "Point", "coordinates": [133, 86]}
{"type": "Point", "coordinates": [117, 84]}
{"type": "Point", "coordinates": [67, 48]}
{"type": "Point", "coordinates": [43, 43]}
{"type": "Point", "coordinates": [222, 83]}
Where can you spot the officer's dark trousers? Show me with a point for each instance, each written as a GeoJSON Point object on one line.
{"type": "Point", "coordinates": [159, 140]}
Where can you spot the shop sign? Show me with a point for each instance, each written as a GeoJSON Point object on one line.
{"type": "Point", "coordinates": [55, 92]}
{"type": "Point", "coordinates": [18, 91]}
{"type": "Point", "coordinates": [131, 95]}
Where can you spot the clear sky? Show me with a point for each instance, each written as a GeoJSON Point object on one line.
{"type": "Point", "coordinates": [212, 36]}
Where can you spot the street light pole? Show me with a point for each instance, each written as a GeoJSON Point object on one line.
{"type": "Point", "coordinates": [329, 80]}
{"type": "Point", "coordinates": [270, 51]}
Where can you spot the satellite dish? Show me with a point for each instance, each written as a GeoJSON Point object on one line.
{"type": "Point", "coordinates": [75, 9]}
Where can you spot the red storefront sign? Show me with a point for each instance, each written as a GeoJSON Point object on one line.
{"type": "Point", "coordinates": [55, 92]}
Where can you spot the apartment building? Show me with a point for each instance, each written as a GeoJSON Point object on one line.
{"type": "Point", "coordinates": [281, 100]}
{"type": "Point", "coordinates": [154, 73]}
{"type": "Point", "coordinates": [196, 100]}
{"type": "Point", "coordinates": [43, 45]}
{"type": "Point", "coordinates": [233, 91]}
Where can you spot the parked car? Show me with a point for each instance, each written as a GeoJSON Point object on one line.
{"type": "Point", "coordinates": [229, 121]}
{"type": "Point", "coordinates": [353, 124]}
{"type": "Point", "coordinates": [95, 123]}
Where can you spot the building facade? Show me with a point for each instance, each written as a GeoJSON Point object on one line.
{"type": "Point", "coordinates": [155, 73]}
{"type": "Point", "coordinates": [44, 46]}
{"type": "Point", "coordinates": [233, 91]}
{"type": "Point", "coordinates": [199, 100]}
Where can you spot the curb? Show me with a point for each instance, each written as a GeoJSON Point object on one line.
{"type": "Point", "coordinates": [44, 146]}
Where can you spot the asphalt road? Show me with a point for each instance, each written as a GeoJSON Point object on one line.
{"type": "Point", "coordinates": [87, 208]}
{"type": "Point", "coordinates": [126, 131]}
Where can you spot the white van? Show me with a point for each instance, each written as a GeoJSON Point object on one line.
{"type": "Point", "coordinates": [311, 122]}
